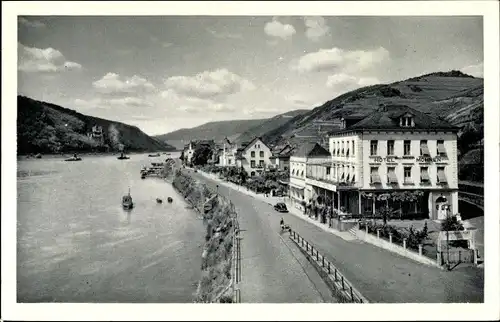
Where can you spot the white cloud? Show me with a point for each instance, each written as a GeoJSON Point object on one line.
{"type": "Point", "coordinates": [31, 59]}
{"type": "Point", "coordinates": [316, 27]}
{"type": "Point", "coordinates": [209, 84]}
{"type": "Point", "coordinates": [124, 102]}
{"type": "Point", "coordinates": [348, 82]}
{"type": "Point", "coordinates": [474, 70]}
{"type": "Point", "coordinates": [224, 35]}
{"type": "Point", "coordinates": [277, 29]}
{"type": "Point", "coordinates": [31, 23]}
{"type": "Point", "coordinates": [339, 60]}
{"type": "Point", "coordinates": [112, 83]}
{"type": "Point", "coordinates": [192, 104]}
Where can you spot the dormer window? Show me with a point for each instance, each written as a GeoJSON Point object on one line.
{"type": "Point", "coordinates": [406, 121]}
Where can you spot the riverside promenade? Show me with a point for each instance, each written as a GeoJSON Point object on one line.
{"type": "Point", "coordinates": [381, 276]}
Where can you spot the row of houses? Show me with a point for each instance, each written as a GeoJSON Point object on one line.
{"type": "Point", "coordinates": [254, 157]}
{"type": "Point", "coordinates": [364, 157]}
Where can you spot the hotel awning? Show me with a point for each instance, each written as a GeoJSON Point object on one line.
{"type": "Point", "coordinates": [296, 186]}
{"type": "Point", "coordinates": [441, 149]}
{"type": "Point", "coordinates": [375, 178]}
{"type": "Point", "coordinates": [347, 177]}
{"type": "Point", "coordinates": [441, 177]}
{"type": "Point", "coordinates": [342, 176]}
{"type": "Point", "coordinates": [424, 176]}
{"type": "Point", "coordinates": [424, 149]}
{"type": "Point", "coordinates": [392, 177]}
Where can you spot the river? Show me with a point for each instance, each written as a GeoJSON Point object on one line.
{"type": "Point", "coordinates": [76, 244]}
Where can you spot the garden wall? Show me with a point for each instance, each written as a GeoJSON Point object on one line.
{"type": "Point", "coordinates": [382, 243]}
{"type": "Point", "coordinates": [218, 254]}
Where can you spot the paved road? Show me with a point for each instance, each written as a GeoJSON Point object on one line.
{"type": "Point", "coordinates": [272, 271]}
{"type": "Point", "coordinates": [381, 276]}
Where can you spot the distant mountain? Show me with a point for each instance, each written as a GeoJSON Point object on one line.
{"type": "Point", "coordinates": [268, 125]}
{"type": "Point", "coordinates": [47, 128]}
{"type": "Point", "coordinates": [219, 130]}
{"type": "Point", "coordinates": [452, 96]}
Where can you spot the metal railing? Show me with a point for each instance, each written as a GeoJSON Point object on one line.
{"type": "Point", "coordinates": [340, 282]}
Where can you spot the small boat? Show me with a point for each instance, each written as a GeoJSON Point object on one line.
{"type": "Point", "coordinates": [170, 200]}
{"type": "Point", "coordinates": [158, 200]}
{"type": "Point", "coordinates": [74, 158]}
{"type": "Point", "coordinates": [123, 157]}
{"type": "Point", "coordinates": [38, 156]}
{"type": "Point", "coordinates": [127, 202]}
{"type": "Point", "coordinates": [154, 155]}
{"type": "Point", "coordinates": [143, 176]}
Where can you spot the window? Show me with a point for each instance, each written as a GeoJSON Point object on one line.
{"type": "Point", "coordinates": [302, 173]}
{"type": "Point", "coordinates": [441, 151]}
{"type": "Point", "coordinates": [407, 174]}
{"type": "Point", "coordinates": [252, 154]}
{"type": "Point", "coordinates": [348, 144]}
{"type": "Point", "coordinates": [390, 147]}
{"type": "Point", "coordinates": [343, 151]}
{"type": "Point", "coordinates": [374, 177]}
{"type": "Point", "coordinates": [229, 161]}
{"type": "Point", "coordinates": [252, 173]}
{"type": "Point", "coordinates": [373, 147]}
{"type": "Point", "coordinates": [424, 149]}
{"type": "Point", "coordinates": [327, 171]}
{"type": "Point", "coordinates": [441, 176]}
{"type": "Point", "coordinates": [424, 175]}
{"type": "Point", "coordinates": [293, 172]}
{"type": "Point", "coordinates": [391, 175]}
{"type": "Point", "coordinates": [406, 121]}
{"type": "Point", "coordinates": [261, 154]}
{"type": "Point", "coordinates": [252, 164]}
{"type": "Point", "coordinates": [407, 147]}
{"type": "Point", "coordinates": [261, 163]}
{"type": "Point", "coordinates": [353, 147]}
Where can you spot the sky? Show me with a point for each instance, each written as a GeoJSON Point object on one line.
{"type": "Point", "coordinates": [163, 73]}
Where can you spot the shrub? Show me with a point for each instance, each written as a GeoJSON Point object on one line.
{"type": "Point", "coordinates": [451, 224]}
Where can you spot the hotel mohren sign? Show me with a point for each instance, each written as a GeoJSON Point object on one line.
{"type": "Point", "coordinates": [393, 159]}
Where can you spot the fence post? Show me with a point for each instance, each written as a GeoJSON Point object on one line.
{"type": "Point", "coordinates": [317, 255]}
{"type": "Point", "coordinates": [475, 256]}
{"type": "Point", "coordinates": [366, 228]}
{"type": "Point", "coordinates": [343, 285]}
{"type": "Point", "coordinates": [404, 243]}
{"type": "Point", "coordinates": [438, 259]}
{"type": "Point", "coordinates": [335, 274]}
{"type": "Point", "coordinates": [352, 295]}
{"type": "Point", "coordinates": [390, 238]}
{"type": "Point", "coordinates": [323, 261]}
{"type": "Point", "coordinates": [420, 249]}
{"type": "Point", "coordinates": [328, 267]}
{"type": "Point", "coordinates": [378, 233]}
{"type": "Point", "coordinates": [459, 256]}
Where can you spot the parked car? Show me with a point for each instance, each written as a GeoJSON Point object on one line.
{"type": "Point", "coordinates": [280, 207]}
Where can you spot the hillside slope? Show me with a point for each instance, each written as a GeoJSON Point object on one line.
{"type": "Point", "coordinates": [268, 125]}
{"type": "Point", "coordinates": [453, 96]}
{"type": "Point", "coordinates": [230, 129]}
{"type": "Point", "coordinates": [47, 128]}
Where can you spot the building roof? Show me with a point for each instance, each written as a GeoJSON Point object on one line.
{"type": "Point", "coordinates": [244, 147]}
{"type": "Point", "coordinates": [311, 150]}
{"type": "Point", "coordinates": [387, 118]}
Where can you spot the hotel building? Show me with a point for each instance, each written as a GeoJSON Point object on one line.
{"type": "Point", "coordinates": [394, 151]}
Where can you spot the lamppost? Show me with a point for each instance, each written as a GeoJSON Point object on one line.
{"type": "Point", "coordinates": [444, 206]}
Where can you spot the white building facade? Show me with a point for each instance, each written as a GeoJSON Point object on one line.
{"type": "Point", "coordinates": [255, 157]}
{"type": "Point", "coordinates": [407, 161]}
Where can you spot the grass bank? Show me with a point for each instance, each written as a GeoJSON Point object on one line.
{"type": "Point", "coordinates": [220, 221]}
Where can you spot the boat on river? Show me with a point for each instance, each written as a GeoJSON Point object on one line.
{"type": "Point", "coordinates": [170, 200]}
{"type": "Point", "coordinates": [123, 157]}
{"type": "Point", "coordinates": [154, 155]}
{"type": "Point", "coordinates": [74, 158]}
{"type": "Point", "coordinates": [38, 156]}
{"type": "Point", "coordinates": [158, 200]}
{"type": "Point", "coordinates": [127, 202]}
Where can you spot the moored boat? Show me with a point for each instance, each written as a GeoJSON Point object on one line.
{"type": "Point", "coordinates": [154, 155]}
{"type": "Point", "coordinates": [123, 157]}
{"type": "Point", "coordinates": [127, 202]}
{"type": "Point", "coordinates": [38, 156]}
{"type": "Point", "coordinates": [170, 200]}
{"type": "Point", "coordinates": [158, 200]}
{"type": "Point", "coordinates": [74, 158]}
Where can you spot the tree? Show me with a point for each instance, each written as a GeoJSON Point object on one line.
{"type": "Point", "coordinates": [386, 213]}
{"type": "Point", "coordinates": [201, 154]}
{"type": "Point", "coordinates": [182, 156]}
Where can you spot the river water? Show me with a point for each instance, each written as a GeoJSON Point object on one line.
{"type": "Point", "coordinates": [77, 244]}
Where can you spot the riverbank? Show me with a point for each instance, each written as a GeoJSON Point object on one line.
{"type": "Point", "coordinates": [104, 154]}
{"type": "Point", "coordinates": [217, 257]}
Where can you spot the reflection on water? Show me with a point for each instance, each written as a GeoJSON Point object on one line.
{"type": "Point", "coordinates": [77, 244]}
